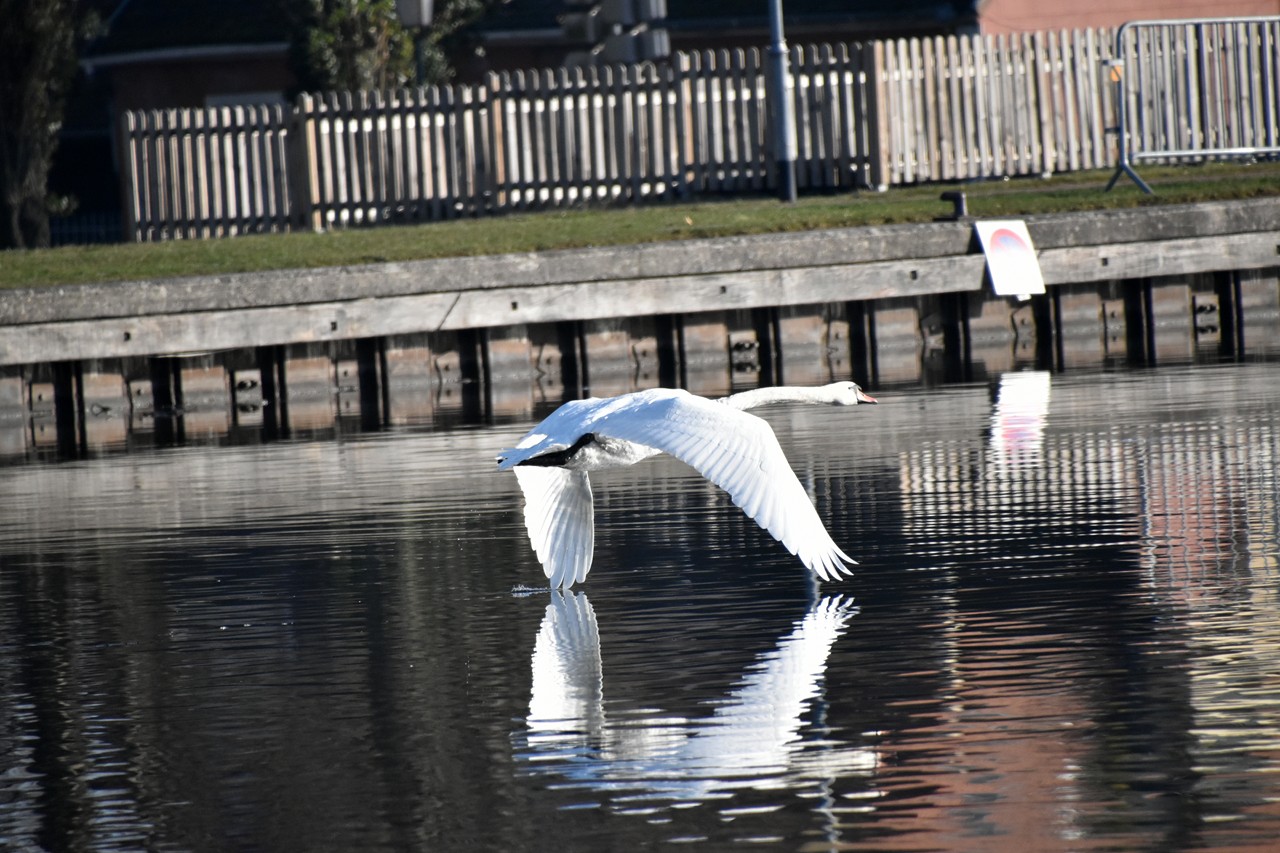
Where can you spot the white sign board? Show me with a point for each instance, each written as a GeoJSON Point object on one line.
{"type": "Point", "coordinates": [1011, 259]}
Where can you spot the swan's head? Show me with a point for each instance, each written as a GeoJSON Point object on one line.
{"type": "Point", "coordinates": [846, 394]}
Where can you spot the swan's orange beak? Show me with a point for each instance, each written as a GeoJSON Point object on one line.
{"type": "Point", "coordinates": [864, 397]}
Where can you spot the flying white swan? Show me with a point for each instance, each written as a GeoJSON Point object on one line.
{"type": "Point", "coordinates": [735, 450]}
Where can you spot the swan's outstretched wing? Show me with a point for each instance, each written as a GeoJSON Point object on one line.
{"type": "Point", "coordinates": [560, 519]}
{"type": "Point", "coordinates": [739, 453]}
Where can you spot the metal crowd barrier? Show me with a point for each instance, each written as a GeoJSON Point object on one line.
{"type": "Point", "coordinates": [1196, 89]}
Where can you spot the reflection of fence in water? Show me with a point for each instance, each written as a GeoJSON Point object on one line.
{"type": "Point", "coordinates": [1199, 497]}
{"type": "Point", "coordinates": [1211, 503]}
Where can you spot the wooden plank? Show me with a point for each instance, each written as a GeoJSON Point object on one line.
{"type": "Point", "coordinates": [878, 153]}
{"type": "Point", "coordinates": [1230, 65]}
{"type": "Point", "coordinates": [917, 131]}
{"type": "Point", "coordinates": [141, 160]}
{"type": "Point", "coordinates": [560, 138]}
{"type": "Point", "coordinates": [732, 158]}
{"type": "Point", "coordinates": [612, 118]}
{"type": "Point", "coordinates": [821, 114]}
{"type": "Point", "coordinates": [216, 167]}
{"type": "Point", "coordinates": [250, 169]}
{"type": "Point", "coordinates": [724, 138]}
{"type": "Point", "coordinates": [158, 186]}
{"type": "Point", "coordinates": [695, 81]}
{"type": "Point", "coordinates": [1039, 148]}
{"type": "Point", "coordinates": [322, 180]}
{"type": "Point", "coordinates": [973, 160]}
{"type": "Point", "coordinates": [354, 161]}
{"type": "Point", "coordinates": [990, 125]}
{"type": "Point", "coordinates": [184, 177]}
{"type": "Point", "coordinates": [366, 156]}
{"type": "Point", "coordinates": [1055, 101]}
{"type": "Point", "coordinates": [664, 87]}
{"type": "Point", "coordinates": [347, 179]}
{"type": "Point", "coordinates": [1029, 148]}
{"type": "Point", "coordinates": [806, 164]}
{"type": "Point", "coordinates": [672, 123]}
{"type": "Point", "coordinates": [751, 125]}
{"type": "Point", "coordinates": [452, 206]}
{"type": "Point", "coordinates": [651, 132]}
{"type": "Point", "coordinates": [302, 164]}
{"type": "Point", "coordinates": [622, 127]}
{"type": "Point", "coordinates": [813, 126]}
{"type": "Point", "coordinates": [1251, 73]}
{"type": "Point", "coordinates": [176, 175]}
{"type": "Point", "coordinates": [496, 142]}
{"type": "Point", "coordinates": [465, 143]}
{"type": "Point", "coordinates": [904, 110]}
{"type": "Point", "coordinates": [1071, 104]}
{"type": "Point", "coordinates": [472, 197]}
{"type": "Point", "coordinates": [936, 106]}
{"type": "Point", "coordinates": [578, 160]}
{"type": "Point", "coordinates": [433, 154]}
{"type": "Point", "coordinates": [757, 162]}
{"type": "Point", "coordinates": [1041, 105]}
{"type": "Point", "coordinates": [261, 137]}
{"type": "Point", "coordinates": [165, 185]}
{"type": "Point", "coordinates": [597, 106]}
{"type": "Point", "coordinates": [404, 164]}
{"type": "Point", "coordinates": [718, 127]}
{"type": "Point", "coordinates": [1100, 45]}
{"type": "Point", "coordinates": [502, 107]}
{"type": "Point", "coordinates": [846, 124]}
{"type": "Point", "coordinates": [199, 193]}
{"type": "Point", "coordinates": [543, 127]}
{"type": "Point", "coordinates": [646, 141]}
{"type": "Point", "coordinates": [957, 141]}
{"type": "Point", "coordinates": [133, 171]}
{"type": "Point", "coordinates": [682, 91]}
{"type": "Point", "coordinates": [1271, 85]}
{"type": "Point", "coordinates": [480, 308]}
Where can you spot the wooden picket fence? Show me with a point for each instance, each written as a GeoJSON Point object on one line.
{"type": "Point", "coordinates": [866, 115]}
{"type": "Point", "coordinates": [996, 106]}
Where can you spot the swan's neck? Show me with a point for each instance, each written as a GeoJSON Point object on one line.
{"type": "Point", "coordinates": [777, 394]}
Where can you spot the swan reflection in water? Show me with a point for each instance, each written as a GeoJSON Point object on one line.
{"type": "Point", "coordinates": [751, 739]}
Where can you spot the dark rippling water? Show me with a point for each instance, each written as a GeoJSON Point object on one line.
{"type": "Point", "coordinates": [1064, 635]}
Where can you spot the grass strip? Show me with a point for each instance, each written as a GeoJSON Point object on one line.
{"type": "Point", "coordinates": [600, 226]}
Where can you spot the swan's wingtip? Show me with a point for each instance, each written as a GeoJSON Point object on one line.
{"type": "Point", "coordinates": [835, 568]}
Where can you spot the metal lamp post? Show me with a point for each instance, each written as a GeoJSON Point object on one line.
{"type": "Point", "coordinates": [782, 110]}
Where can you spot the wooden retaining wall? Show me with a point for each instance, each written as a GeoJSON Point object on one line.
{"type": "Point", "coordinates": [463, 340]}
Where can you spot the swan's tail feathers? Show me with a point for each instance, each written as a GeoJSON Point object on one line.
{"type": "Point", "coordinates": [559, 516]}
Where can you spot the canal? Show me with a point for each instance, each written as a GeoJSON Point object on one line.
{"type": "Point", "coordinates": [1063, 634]}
